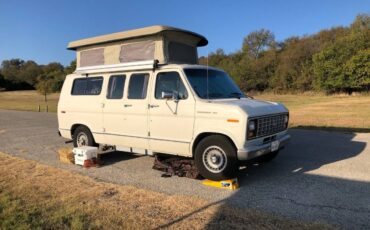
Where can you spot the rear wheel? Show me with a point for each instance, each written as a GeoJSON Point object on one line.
{"type": "Point", "coordinates": [83, 137]}
{"type": "Point", "coordinates": [215, 158]}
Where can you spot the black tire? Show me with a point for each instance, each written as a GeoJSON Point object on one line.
{"type": "Point", "coordinates": [85, 132]}
{"type": "Point", "coordinates": [214, 149]}
{"type": "Point", "coordinates": [266, 158]}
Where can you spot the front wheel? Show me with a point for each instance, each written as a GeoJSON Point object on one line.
{"type": "Point", "coordinates": [215, 158]}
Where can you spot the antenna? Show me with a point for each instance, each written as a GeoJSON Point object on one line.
{"type": "Point", "coordinates": [207, 74]}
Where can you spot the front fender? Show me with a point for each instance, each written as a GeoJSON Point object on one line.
{"type": "Point", "coordinates": [198, 135]}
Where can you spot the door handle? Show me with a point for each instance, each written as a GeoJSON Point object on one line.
{"type": "Point", "coordinates": [127, 105]}
{"type": "Point", "coordinates": [153, 106]}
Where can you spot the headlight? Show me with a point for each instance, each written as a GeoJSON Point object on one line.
{"type": "Point", "coordinates": [286, 120]}
{"type": "Point", "coordinates": [252, 125]}
{"type": "Point", "coordinates": [252, 129]}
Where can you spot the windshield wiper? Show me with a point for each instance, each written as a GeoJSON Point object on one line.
{"type": "Point", "coordinates": [236, 95]}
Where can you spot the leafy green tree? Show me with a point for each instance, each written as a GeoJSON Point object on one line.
{"type": "Point", "coordinates": [361, 23]}
{"type": "Point", "coordinates": [293, 70]}
{"type": "Point", "coordinates": [44, 85]}
{"type": "Point", "coordinates": [329, 64]}
{"type": "Point", "coordinates": [258, 41]}
{"type": "Point", "coordinates": [233, 64]}
{"type": "Point", "coordinates": [328, 67]}
{"type": "Point", "coordinates": [357, 70]}
{"type": "Point", "coordinates": [10, 69]}
{"type": "Point", "coordinates": [20, 74]}
{"type": "Point", "coordinates": [54, 72]}
{"type": "Point", "coordinates": [257, 60]}
{"type": "Point", "coordinates": [71, 68]}
{"type": "Point", "coordinates": [298, 63]}
{"type": "Point", "coordinates": [2, 83]}
{"type": "Point", "coordinates": [260, 71]}
{"type": "Point", "coordinates": [29, 72]}
{"type": "Point", "coordinates": [51, 79]}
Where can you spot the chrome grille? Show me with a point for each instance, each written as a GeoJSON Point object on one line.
{"type": "Point", "coordinates": [270, 125]}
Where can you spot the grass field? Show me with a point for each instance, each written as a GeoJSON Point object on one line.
{"type": "Point", "coordinates": [336, 112]}
{"type": "Point", "coordinates": [27, 100]}
{"type": "Point", "coordinates": [35, 196]}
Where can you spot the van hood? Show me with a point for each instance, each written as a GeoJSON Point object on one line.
{"type": "Point", "coordinates": [254, 107]}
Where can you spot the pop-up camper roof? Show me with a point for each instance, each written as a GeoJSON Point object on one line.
{"type": "Point", "coordinates": [162, 43]}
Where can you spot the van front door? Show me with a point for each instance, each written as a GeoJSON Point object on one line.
{"type": "Point", "coordinates": [171, 114]}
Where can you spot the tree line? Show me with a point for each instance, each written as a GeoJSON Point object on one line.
{"type": "Point", "coordinates": [17, 74]}
{"type": "Point", "coordinates": [332, 60]}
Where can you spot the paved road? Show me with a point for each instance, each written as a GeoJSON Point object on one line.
{"type": "Point", "coordinates": [320, 176]}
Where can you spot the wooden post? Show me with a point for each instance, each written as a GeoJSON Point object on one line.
{"type": "Point", "coordinates": [47, 108]}
{"type": "Point", "coordinates": [39, 108]}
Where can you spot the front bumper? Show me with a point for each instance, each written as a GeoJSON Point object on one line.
{"type": "Point", "coordinates": [254, 151]}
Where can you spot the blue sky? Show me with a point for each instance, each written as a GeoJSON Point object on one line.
{"type": "Point", "coordinates": [40, 30]}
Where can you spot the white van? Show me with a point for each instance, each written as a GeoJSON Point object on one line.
{"type": "Point", "coordinates": [149, 107]}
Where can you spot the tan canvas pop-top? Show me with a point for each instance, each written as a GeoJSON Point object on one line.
{"type": "Point", "coordinates": [162, 43]}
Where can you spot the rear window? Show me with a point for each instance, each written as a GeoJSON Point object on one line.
{"type": "Point", "coordinates": [138, 86]}
{"type": "Point", "coordinates": [87, 86]}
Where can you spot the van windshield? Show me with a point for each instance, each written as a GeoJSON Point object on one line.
{"type": "Point", "coordinates": [212, 85]}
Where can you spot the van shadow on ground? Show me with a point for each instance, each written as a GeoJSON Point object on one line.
{"type": "Point", "coordinates": [111, 158]}
{"type": "Point", "coordinates": [288, 187]}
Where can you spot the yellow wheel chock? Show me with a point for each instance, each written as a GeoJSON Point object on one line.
{"type": "Point", "coordinates": [231, 184]}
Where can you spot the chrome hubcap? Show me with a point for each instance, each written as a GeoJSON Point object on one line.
{"type": "Point", "coordinates": [82, 139]}
{"type": "Point", "coordinates": [214, 159]}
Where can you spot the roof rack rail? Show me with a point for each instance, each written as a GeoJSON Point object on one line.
{"type": "Point", "coordinates": [137, 65]}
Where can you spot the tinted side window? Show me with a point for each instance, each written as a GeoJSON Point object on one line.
{"type": "Point", "coordinates": [138, 86]}
{"type": "Point", "coordinates": [79, 86]}
{"type": "Point", "coordinates": [87, 86]}
{"type": "Point", "coordinates": [94, 86]}
{"type": "Point", "coordinates": [170, 82]}
{"type": "Point", "coordinates": [115, 86]}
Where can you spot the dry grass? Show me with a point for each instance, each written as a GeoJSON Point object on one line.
{"type": "Point", "coordinates": [320, 111]}
{"type": "Point", "coordinates": [37, 196]}
{"type": "Point", "coordinates": [27, 100]}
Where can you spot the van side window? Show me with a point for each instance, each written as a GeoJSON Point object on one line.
{"type": "Point", "coordinates": [115, 86]}
{"type": "Point", "coordinates": [87, 86]}
{"type": "Point", "coordinates": [170, 82]}
{"type": "Point", "coordinates": [138, 86]}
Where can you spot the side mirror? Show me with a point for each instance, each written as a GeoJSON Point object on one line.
{"type": "Point", "coordinates": [167, 95]}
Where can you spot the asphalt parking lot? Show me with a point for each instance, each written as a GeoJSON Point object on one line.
{"type": "Point", "coordinates": [320, 176]}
